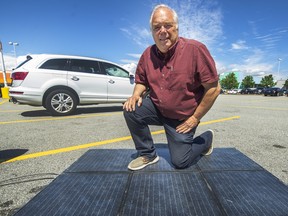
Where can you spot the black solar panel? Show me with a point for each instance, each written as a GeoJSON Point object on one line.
{"type": "Point", "coordinates": [99, 183]}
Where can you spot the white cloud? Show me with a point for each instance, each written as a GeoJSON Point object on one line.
{"type": "Point", "coordinates": [239, 45]}
{"type": "Point", "coordinates": [9, 62]}
{"type": "Point", "coordinates": [134, 55]}
{"type": "Point", "coordinates": [135, 59]}
{"type": "Point", "coordinates": [254, 65]}
{"type": "Point", "coordinates": [139, 35]}
{"type": "Point", "coordinates": [131, 67]}
{"type": "Point", "coordinates": [129, 61]}
{"type": "Point", "coordinates": [200, 20]}
{"type": "Point", "coordinates": [221, 67]}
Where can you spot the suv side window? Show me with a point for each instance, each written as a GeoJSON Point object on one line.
{"type": "Point", "coordinates": [114, 70]}
{"type": "Point", "coordinates": [85, 66]}
{"type": "Point", "coordinates": [55, 64]}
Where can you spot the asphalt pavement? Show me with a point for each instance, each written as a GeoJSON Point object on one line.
{"type": "Point", "coordinates": [36, 147]}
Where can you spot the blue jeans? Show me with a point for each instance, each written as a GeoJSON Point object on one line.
{"type": "Point", "coordinates": [185, 150]}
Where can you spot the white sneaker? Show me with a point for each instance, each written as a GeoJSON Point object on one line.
{"type": "Point", "coordinates": [209, 135]}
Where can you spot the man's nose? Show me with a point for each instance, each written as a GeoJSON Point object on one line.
{"type": "Point", "coordinates": [163, 29]}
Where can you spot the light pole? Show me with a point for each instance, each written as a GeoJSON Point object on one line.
{"type": "Point", "coordinates": [14, 44]}
{"type": "Point", "coordinates": [279, 60]}
{"type": "Point", "coordinates": [3, 65]}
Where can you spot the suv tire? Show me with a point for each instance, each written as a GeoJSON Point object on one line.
{"type": "Point", "coordinates": [61, 102]}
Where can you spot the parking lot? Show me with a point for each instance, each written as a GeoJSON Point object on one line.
{"type": "Point", "coordinates": [36, 147]}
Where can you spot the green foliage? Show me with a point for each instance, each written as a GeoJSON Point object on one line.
{"type": "Point", "coordinates": [248, 82]}
{"type": "Point", "coordinates": [268, 81]}
{"type": "Point", "coordinates": [229, 82]}
{"type": "Point", "coordinates": [286, 84]}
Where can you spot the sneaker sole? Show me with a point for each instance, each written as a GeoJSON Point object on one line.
{"type": "Point", "coordinates": [144, 165]}
{"type": "Point", "coordinates": [209, 152]}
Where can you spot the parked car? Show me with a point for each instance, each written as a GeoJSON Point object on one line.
{"type": "Point", "coordinates": [259, 90]}
{"type": "Point", "coordinates": [234, 91]}
{"type": "Point", "coordinates": [274, 91]}
{"type": "Point", "coordinates": [248, 91]}
{"type": "Point", "coordinates": [61, 82]}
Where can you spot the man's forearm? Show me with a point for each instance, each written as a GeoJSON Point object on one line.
{"type": "Point", "coordinates": [139, 89]}
{"type": "Point", "coordinates": [207, 101]}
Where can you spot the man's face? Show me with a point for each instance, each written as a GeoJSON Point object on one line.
{"type": "Point", "coordinates": [164, 31]}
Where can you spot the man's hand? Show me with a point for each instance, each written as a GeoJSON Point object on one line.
{"type": "Point", "coordinates": [187, 125]}
{"type": "Point", "coordinates": [136, 98]}
{"type": "Point", "coordinates": [130, 104]}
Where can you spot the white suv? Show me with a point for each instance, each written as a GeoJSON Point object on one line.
{"type": "Point", "coordinates": [61, 82]}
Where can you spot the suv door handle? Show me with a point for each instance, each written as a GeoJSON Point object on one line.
{"type": "Point", "coordinates": [75, 78]}
{"type": "Point", "coordinates": [111, 81]}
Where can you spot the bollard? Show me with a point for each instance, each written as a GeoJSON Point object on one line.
{"type": "Point", "coordinates": [5, 92]}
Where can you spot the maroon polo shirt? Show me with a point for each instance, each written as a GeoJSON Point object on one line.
{"type": "Point", "coordinates": [175, 79]}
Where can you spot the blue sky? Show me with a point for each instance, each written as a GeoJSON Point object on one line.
{"type": "Point", "coordinates": [242, 35]}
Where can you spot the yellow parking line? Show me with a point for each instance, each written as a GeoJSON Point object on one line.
{"type": "Point", "coordinates": [4, 101]}
{"type": "Point", "coordinates": [258, 107]}
{"type": "Point", "coordinates": [104, 142]}
{"type": "Point", "coordinates": [59, 118]}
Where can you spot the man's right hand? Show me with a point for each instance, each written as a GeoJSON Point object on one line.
{"type": "Point", "coordinates": [130, 104]}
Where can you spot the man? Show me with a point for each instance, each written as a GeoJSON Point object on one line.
{"type": "Point", "coordinates": [181, 77]}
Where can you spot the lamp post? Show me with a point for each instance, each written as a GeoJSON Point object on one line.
{"type": "Point", "coordinates": [3, 65]}
{"type": "Point", "coordinates": [279, 60]}
{"type": "Point", "coordinates": [14, 44]}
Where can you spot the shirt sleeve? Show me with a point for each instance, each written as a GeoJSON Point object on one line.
{"type": "Point", "coordinates": [206, 65]}
{"type": "Point", "coordinates": [140, 75]}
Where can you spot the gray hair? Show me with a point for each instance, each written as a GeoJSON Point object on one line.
{"type": "Point", "coordinates": [175, 16]}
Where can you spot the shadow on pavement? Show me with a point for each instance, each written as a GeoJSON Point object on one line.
{"type": "Point", "coordinates": [79, 111]}
{"type": "Point", "coordinates": [8, 154]}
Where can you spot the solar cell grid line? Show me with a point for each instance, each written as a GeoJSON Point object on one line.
{"type": "Point", "coordinates": [204, 211]}
{"type": "Point", "coordinates": [56, 200]}
{"type": "Point", "coordinates": [191, 196]}
{"type": "Point", "coordinates": [268, 194]}
{"type": "Point", "coordinates": [177, 194]}
{"type": "Point", "coordinates": [53, 199]}
{"type": "Point", "coordinates": [236, 194]}
{"type": "Point", "coordinates": [249, 192]}
{"type": "Point", "coordinates": [215, 191]}
{"type": "Point", "coordinates": [95, 199]}
{"type": "Point", "coordinates": [169, 193]}
{"type": "Point", "coordinates": [82, 196]}
{"type": "Point", "coordinates": [82, 201]}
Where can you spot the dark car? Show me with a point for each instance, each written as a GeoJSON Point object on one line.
{"type": "Point", "coordinates": [248, 91]}
{"type": "Point", "coordinates": [259, 90]}
{"type": "Point", "coordinates": [274, 91]}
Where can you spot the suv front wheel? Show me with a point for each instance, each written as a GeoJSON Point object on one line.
{"type": "Point", "coordinates": [61, 102]}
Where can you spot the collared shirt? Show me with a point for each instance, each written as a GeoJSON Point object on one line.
{"type": "Point", "coordinates": [174, 79]}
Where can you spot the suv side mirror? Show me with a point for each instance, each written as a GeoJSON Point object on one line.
{"type": "Point", "coordinates": [131, 75]}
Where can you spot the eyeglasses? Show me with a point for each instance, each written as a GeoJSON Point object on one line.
{"type": "Point", "coordinates": [156, 28]}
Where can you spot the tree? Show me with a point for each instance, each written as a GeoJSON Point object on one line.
{"type": "Point", "coordinates": [267, 81]}
{"type": "Point", "coordinates": [286, 84]}
{"type": "Point", "coordinates": [229, 82]}
{"type": "Point", "coordinates": [248, 82]}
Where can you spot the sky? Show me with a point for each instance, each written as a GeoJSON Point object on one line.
{"type": "Point", "coordinates": [248, 36]}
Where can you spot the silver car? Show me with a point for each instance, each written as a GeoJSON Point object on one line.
{"type": "Point", "coordinates": [62, 82]}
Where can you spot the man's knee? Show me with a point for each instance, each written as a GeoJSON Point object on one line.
{"type": "Point", "coordinates": [128, 115]}
{"type": "Point", "coordinates": [179, 164]}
